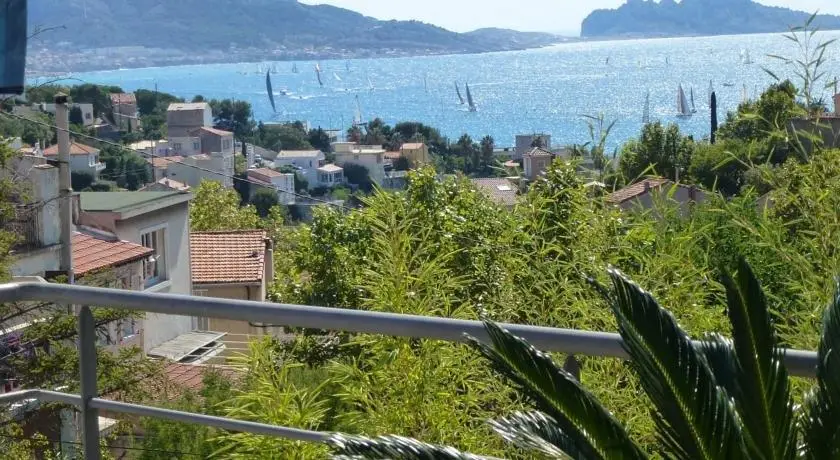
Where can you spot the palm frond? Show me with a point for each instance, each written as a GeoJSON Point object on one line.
{"type": "Point", "coordinates": [694, 416]}
{"type": "Point", "coordinates": [392, 447]}
{"type": "Point", "coordinates": [591, 429]}
{"type": "Point", "coordinates": [764, 401]}
{"type": "Point", "coordinates": [820, 417]}
{"type": "Point", "coordinates": [720, 355]}
{"type": "Point", "coordinates": [536, 431]}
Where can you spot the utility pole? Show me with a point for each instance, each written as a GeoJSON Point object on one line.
{"type": "Point", "coordinates": [65, 189]}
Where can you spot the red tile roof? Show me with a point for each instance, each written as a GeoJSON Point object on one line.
{"type": "Point", "coordinates": [123, 98]}
{"type": "Point", "coordinates": [413, 146]}
{"type": "Point", "coordinates": [215, 131]}
{"type": "Point", "coordinates": [228, 257]}
{"type": "Point", "coordinates": [91, 253]}
{"type": "Point", "coordinates": [75, 149]}
{"type": "Point", "coordinates": [636, 190]}
{"type": "Point", "coordinates": [501, 191]}
{"type": "Point", "coordinates": [163, 162]}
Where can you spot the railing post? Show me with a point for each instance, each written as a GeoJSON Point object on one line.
{"type": "Point", "coordinates": [87, 367]}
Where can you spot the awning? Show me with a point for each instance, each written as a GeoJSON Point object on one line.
{"type": "Point", "coordinates": [185, 345]}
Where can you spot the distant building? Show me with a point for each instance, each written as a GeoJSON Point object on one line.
{"type": "Point", "coordinates": [125, 114]}
{"type": "Point", "coordinates": [156, 220]}
{"type": "Point", "coordinates": [282, 183]}
{"type": "Point", "coordinates": [83, 158]}
{"type": "Point", "coordinates": [417, 153]}
{"type": "Point", "coordinates": [306, 162]}
{"type": "Point", "coordinates": [214, 140]}
{"type": "Point", "coordinates": [372, 157]}
{"type": "Point", "coordinates": [642, 194]}
{"type": "Point", "coordinates": [526, 142]}
{"type": "Point", "coordinates": [181, 118]}
{"type": "Point", "coordinates": [149, 149]}
{"type": "Point", "coordinates": [86, 109]}
{"type": "Point", "coordinates": [160, 165]}
{"type": "Point", "coordinates": [166, 185]}
{"type": "Point", "coordinates": [536, 162]}
{"type": "Point", "coordinates": [191, 170]}
{"type": "Point", "coordinates": [499, 190]}
{"type": "Point", "coordinates": [185, 146]}
{"type": "Point", "coordinates": [330, 175]}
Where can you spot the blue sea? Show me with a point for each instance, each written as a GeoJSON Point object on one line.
{"type": "Point", "coordinates": [541, 90]}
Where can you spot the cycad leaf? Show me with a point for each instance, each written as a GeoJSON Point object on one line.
{"type": "Point", "coordinates": [764, 401]}
{"type": "Point", "coordinates": [820, 418]}
{"type": "Point", "coordinates": [392, 447]}
{"type": "Point", "coordinates": [694, 416]}
{"type": "Point", "coordinates": [592, 431]}
{"type": "Point", "coordinates": [720, 354]}
{"type": "Point", "coordinates": [536, 431]}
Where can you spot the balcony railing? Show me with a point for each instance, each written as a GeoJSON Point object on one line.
{"type": "Point", "coordinates": [574, 342]}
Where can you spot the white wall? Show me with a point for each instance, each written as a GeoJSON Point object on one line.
{"type": "Point", "coordinates": [185, 146]}
{"type": "Point", "coordinates": [372, 161]}
{"type": "Point", "coordinates": [85, 163]}
{"type": "Point", "coordinates": [308, 164]}
{"type": "Point", "coordinates": [160, 328]}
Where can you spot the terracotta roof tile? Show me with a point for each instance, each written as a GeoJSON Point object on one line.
{"type": "Point", "coordinates": [227, 257]}
{"type": "Point", "coordinates": [413, 146]}
{"type": "Point", "coordinates": [91, 253]}
{"type": "Point", "coordinates": [162, 162]}
{"type": "Point", "coordinates": [636, 190]}
{"type": "Point", "coordinates": [75, 149]}
{"type": "Point", "coordinates": [501, 191]}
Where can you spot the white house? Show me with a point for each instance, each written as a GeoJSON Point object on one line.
{"type": "Point", "coordinates": [181, 118]}
{"type": "Point", "coordinates": [283, 183]}
{"type": "Point", "coordinates": [372, 157]}
{"type": "Point", "coordinates": [185, 146]}
{"type": "Point", "coordinates": [191, 170]}
{"type": "Point", "coordinates": [148, 149]}
{"type": "Point", "coordinates": [83, 158]}
{"type": "Point", "coordinates": [330, 175]}
{"type": "Point", "coordinates": [156, 220]}
{"type": "Point", "coordinates": [305, 161]}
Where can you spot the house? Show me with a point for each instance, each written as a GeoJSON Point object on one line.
{"type": "Point", "coordinates": [233, 265]}
{"type": "Point", "coordinates": [83, 158]}
{"type": "Point", "coordinates": [185, 146]}
{"type": "Point", "coordinates": [150, 149]}
{"type": "Point", "coordinates": [166, 185]}
{"type": "Point", "coordinates": [305, 161]}
{"type": "Point", "coordinates": [417, 153]}
{"type": "Point", "coordinates": [35, 222]}
{"type": "Point", "coordinates": [102, 259]}
{"type": "Point", "coordinates": [257, 155]}
{"type": "Point", "coordinates": [192, 170]}
{"type": "Point", "coordinates": [535, 162]}
{"type": "Point", "coordinates": [160, 165]}
{"type": "Point", "coordinates": [372, 157]}
{"type": "Point", "coordinates": [181, 118]}
{"type": "Point", "coordinates": [643, 193]}
{"type": "Point", "coordinates": [124, 106]}
{"type": "Point", "coordinates": [526, 142]}
{"type": "Point", "coordinates": [156, 220]}
{"type": "Point", "coordinates": [283, 183]}
{"type": "Point", "coordinates": [104, 130]}
{"type": "Point", "coordinates": [330, 175]}
{"type": "Point", "coordinates": [499, 190]}
{"type": "Point", "coordinates": [86, 110]}
{"type": "Point", "coordinates": [214, 140]}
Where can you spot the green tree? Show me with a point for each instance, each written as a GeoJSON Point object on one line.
{"type": "Point", "coordinates": [235, 116]}
{"type": "Point", "coordinates": [705, 398]}
{"type": "Point", "coordinates": [217, 208]}
{"type": "Point", "coordinates": [469, 152]}
{"type": "Point", "coordinates": [151, 102]}
{"type": "Point", "coordinates": [659, 150]}
{"type": "Point", "coordinates": [81, 180]}
{"type": "Point", "coordinates": [76, 117]}
{"type": "Point", "coordinates": [488, 145]}
{"type": "Point", "coordinates": [263, 200]}
{"type": "Point", "coordinates": [319, 139]}
{"type": "Point", "coordinates": [721, 166]}
{"type": "Point", "coordinates": [288, 136]}
{"type": "Point", "coordinates": [358, 175]}
{"type": "Point", "coordinates": [97, 95]}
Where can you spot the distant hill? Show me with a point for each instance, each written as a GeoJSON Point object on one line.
{"type": "Point", "coordinates": [213, 25]}
{"type": "Point", "coordinates": [667, 18]}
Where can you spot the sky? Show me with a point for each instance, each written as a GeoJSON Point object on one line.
{"type": "Point", "coordinates": [559, 16]}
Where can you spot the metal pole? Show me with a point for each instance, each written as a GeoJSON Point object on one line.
{"type": "Point", "coordinates": [87, 369]}
{"type": "Point", "coordinates": [65, 189]}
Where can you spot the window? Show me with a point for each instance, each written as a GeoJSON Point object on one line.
{"type": "Point", "coordinates": [310, 163]}
{"type": "Point", "coordinates": [356, 157]}
{"type": "Point", "coordinates": [226, 144]}
{"type": "Point", "coordinates": [155, 264]}
{"type": "Point", "coordinates": [176, 145]}
{"type": "Point", "coordinates": [196, 146]}
{"type": "Point", "coordinates": [87, 116]}
{"type": "Point", "coordinates": [128, 329]}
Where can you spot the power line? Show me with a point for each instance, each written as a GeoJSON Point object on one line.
{"type": "Point", "coordinates": [152, 155]}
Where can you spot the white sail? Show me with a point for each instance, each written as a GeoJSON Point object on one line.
{"type": "Point", "coordinates": [646, 112]}
{"type": "Point", "coordinates": [683, 109]}
{"type": "Point", "coordinates": [370, 84]}
{"type": "Point", "coordinates": [693, 107]}
{"type": "Point", "coordinates": [458, 92]}
{"type": "Point", "coordinates": [335, 75]}
{"type": "Point", "coordinates": [357, 118]}
{"type": "Point", "coordinates": [745, 97]}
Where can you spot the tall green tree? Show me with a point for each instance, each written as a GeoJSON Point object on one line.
{"type": "Point", "coordinates": [659, 150]}
{"type": "Point", "coordinates": [217, 208]}
{"type": "Point", "coordinates": [488, 145]}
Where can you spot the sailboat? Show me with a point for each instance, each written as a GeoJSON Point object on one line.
{"type": "Point", "coordinates": [693, 108]}
{"type": "Point", "coordinates": [745, 57]}
{"type": "Point", "coordinates": [745, 97]}
{"type": "Point", "coordinates": [370, 84]}
{"type": "Point", "coordinates": [458, 92]}
{"type": "Point", "coordinates": [335, 75]}
{"type": "Point", "coordinates": [683, 109]}
{"type": "Point", "coordinates": [273, 68]}
{"type": "Point", "coordinates": [294, 68]}
{"type": "Point", "coordinates": [425, 83]}
{"type": "Point", "coordinates": [357, 118]}
{"type": "Point", "coordinates": [470, 99]}
{"type": "Point", "coordinates": [347, 66]}
{"type": "Point", "coordinates": [646, 111]}
{"type": "Point", "coordinates": [318, 74]}
{"type": "Point", "coordinates": [269, 90]}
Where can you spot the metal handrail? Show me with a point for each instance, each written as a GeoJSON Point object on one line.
{"type": "Point", "coordinates": [799, 363]}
